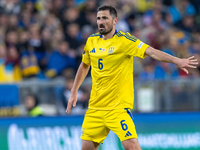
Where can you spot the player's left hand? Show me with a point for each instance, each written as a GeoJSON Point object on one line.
{"type": "Point", "coordinates": [190, 62]}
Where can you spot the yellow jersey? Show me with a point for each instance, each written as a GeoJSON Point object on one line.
{"type": "Point", "coordinates": [111, 63]}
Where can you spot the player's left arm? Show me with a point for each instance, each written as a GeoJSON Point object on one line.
{"type": "Point", "coordinates": [190, 62]}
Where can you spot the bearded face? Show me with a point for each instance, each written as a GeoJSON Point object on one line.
{"type": "Point", "coordinates": [105, 22]}
{"type": "Point", "coordinates": [105, 29]}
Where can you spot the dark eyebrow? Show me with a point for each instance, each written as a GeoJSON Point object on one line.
{"type": "Point", "coordinates": [104, 17]}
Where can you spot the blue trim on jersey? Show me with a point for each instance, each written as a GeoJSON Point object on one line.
{"type": "Point", "coordinates": [129, 113]}
{"type": "Point", "coordinates": [131, 37]}
{"type": "Point", "coordinates": [118, 34]}
{"type": "Point", "coordinates": [115, 32]}
{"type": "Point", "coordinates": [134, 40]}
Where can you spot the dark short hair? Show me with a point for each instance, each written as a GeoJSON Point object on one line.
{"type": "Point", "coordinates": [112, 10]}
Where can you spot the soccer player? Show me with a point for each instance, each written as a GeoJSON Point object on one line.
{"type": "Point", "coordinates": [110, 55]}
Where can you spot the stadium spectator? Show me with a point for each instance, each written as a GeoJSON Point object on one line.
{"type": "Point", "coordinates": [187, 24]}
{"type": "Point", "coordinates": [86, 32]}
{"type": "Point", "coordinates": [37, 44]}
{"type": "Point", "coordinates": [122, 24]}
{"type": "Point", "coordinates": [168, 20]}
{"type": "Point", "coordinates": [3, 22]}
{"type": "Point", "coordinates": [11, 38]}
{"type": "Point", "coordinates": [57, 6]}
{"type": "Point", "coordinates": [46, 38]}
{"type": "Point", "coordinates": [23, 41]}
{"type": "Point", "coordinates": [58, 37]}
{"type": "Point", "coordinates": [36, 28]}
{"type": "Point", "coordinates": [44, 8]}
{"type": "Point", "coordinates": [88, 7]}
{"type": "Point", "coordinates": [147, 73]}
{"type": "Point", "coordinates": [12, 23]}
{"type": "Point", "coordinates": [29, 63]}
{"type": "Point", "coordinates": [26, 19]}
{"type": "Point", "coordinates": [51, 22]}
{"type": "Point", "coordinates": [72, 36]}
{"type": "Point", "coordinates": [32, 106]}
{"type": "Point", "coordinates": [12, 65]}
{"type": "Point", "coordinates": [29, 7]}
{"type": "Point", "coordinates": [70, 15]}
{"type": "Point", "coordinates": [59, 60]}
{"type": "Point", "coordinates": [181, 8]}
{"type": "Point", "coordinates": [91, 20]}
{"type": "Point", "coordinates": [10, 7]}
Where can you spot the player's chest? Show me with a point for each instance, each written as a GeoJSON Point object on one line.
{"type": "Point", "coordinates": [106, 55]}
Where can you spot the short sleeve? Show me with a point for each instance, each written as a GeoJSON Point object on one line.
{"type": "Point", "coordinates": [134, 47]}
{"type": "Point", "coordinates": [85, 55]}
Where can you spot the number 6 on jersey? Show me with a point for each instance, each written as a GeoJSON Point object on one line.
{"type": "Point", "coordinates": [100, 64]}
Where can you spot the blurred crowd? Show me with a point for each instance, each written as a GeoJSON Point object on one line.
{"type": "Point", "coordinates": [44, 39]}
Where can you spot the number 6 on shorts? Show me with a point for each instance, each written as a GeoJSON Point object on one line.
{"type": "Point", "coordinates": [124, 125]}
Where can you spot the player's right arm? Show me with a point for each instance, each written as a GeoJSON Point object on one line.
{"type": "Point", "coordinates": [80, 76]}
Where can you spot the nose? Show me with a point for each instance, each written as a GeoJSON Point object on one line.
{"type": "Point", "coordinates": [100, 21]}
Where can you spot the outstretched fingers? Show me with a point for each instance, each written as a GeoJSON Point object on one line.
{"type": "Point", "coordinates": [192, 62]}
{"type": "Point", "coordinates": [191, 57]}
{"type": "Point", "coordinates": [195, 60]}
{"type": "Point", "coordinates": [191, 66]}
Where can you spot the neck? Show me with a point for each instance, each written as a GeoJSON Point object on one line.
{"type": "Point", "coordinates": [109, 35]}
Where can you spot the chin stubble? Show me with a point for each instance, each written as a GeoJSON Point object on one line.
{"type": "Point", "coordinates": [104, 32]}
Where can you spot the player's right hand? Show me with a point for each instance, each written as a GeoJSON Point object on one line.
{"type": "Point", "coordinates": [72, 100]}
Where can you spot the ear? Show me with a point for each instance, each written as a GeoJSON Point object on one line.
{"type": "Point", "coordinates": [115, 20]}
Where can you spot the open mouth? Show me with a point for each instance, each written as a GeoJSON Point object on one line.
{"type": "Point", "coordinates": [101, 26]}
